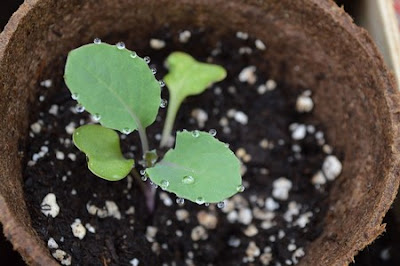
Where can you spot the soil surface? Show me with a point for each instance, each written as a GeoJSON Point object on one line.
{"type": "Point", "coordinates": [270, 223]}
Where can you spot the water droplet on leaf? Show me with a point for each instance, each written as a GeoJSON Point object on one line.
{"type": "Point", "coordinates": [162, 83]}
{"type": "Point", "coordinates": [120, 45]}
{"type": "Point", "coordinates": [212, 132]}
{"type": "Point", "coordinates": [200, 200]}
{"type": "Point", "coordinates": [147, 59]}
{"type": "Point", "coordinates": [195, 133]}
{"type": "Point", "coordinates": [153, 184]}
{"type": "Point", "coordinates": [240, 188]}
{"type": "Point", "coordinates": [79, 108]}
{"type": "Point", "coordinates": [144, 177]}
{"type": "Point", "coordinates": [188, 179]}
{"type": "Point", "coordinates": [207, 204]}
{"type": "Point", "coordinates": [75, 96]}
{"type": "Point", "coordinates": [97, 41]}
{"type": "Point", "coordinates": [133, 54]}
{"type": "Point", "coordinates": [164, 184]}
{"type": "Point", "coordinates": [180, 201]}
{"type": "Point", "coordinates": [221, 204]}
{"type": "Point", "coordinates": [163, 103]}
{"type": "Point", "coordinates": [126, 131]}
{"type": "Point", "coordinates": [96, 117]}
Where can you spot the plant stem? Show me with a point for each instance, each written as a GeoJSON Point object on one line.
{"type": "Point", "coordinates": [173, 107]}
{"type": "Point", "coordinates": [148, 191]}
{"type": "Point", "coordinates": [143, 138]}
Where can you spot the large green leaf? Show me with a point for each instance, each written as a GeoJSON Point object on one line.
{"type": "Point", "coordinates": [101, 146]}
{"type": "Point", "coordinates": [113, 84]}
{"type": "Point", "coordinates": [186, 77]}
{"type": "Point", "coordinates": [200, 168]}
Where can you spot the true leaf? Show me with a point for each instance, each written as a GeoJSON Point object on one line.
{"type": "Point", "coordinates": [186, 77]}
{"type": "Point", "coordinates": [101, 146]}
{"type": "Point", "coordinates": [113, 84]}
{"type": "Point", "coordinates": [200, 168]}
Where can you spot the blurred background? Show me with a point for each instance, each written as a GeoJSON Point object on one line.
{"type": "Point", "coordinates": [380, 18]}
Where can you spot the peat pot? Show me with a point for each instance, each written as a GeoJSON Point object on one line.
{"type": "Point", "coordinates": [310, 43]}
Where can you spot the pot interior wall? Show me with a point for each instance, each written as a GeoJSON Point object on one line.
{"type": "Point", "coordinates": [307, 47]}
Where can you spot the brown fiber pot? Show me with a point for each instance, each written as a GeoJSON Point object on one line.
{"type": "Point", "coordinates": [313, 43]}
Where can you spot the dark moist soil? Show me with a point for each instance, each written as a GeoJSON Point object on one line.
{"type": "Point", "coordinates": [281, 237]}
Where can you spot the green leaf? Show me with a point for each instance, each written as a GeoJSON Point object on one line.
{"type": "Point", "coordinates": [101, 146]}
{"type": "Point", "coordinates": [186, 77]}
{"type": "Point", "coordinates": [200, 168]}
{"type": "Point", "coordinates": [189, 77]}
{"type": "Point", "coordinates": [113, 84]}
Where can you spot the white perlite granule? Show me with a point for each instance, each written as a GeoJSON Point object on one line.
{"type": "Point", "coordinates": [134, 262]}
{"type": "Point", "coordinates": [62, 257]}
{"type": "Point", "coordinates": [299, 132]}
{"type": "Point", "coordinates": [157, 44]}
{"type": "Point", "coordinates": [260, 45]}
{"type": "Point", "coordinates": [184, 36]}
{"type": "Point", "coordinates": [49, 205]}
{"type": "Point", "coordinates": [46, 83]}
{"type": "Point", "coordinates": [331, 167]}
{"type": "Point", "coordinates": [241, 117]}
{"type": "Point", "coordinates": [201, 116]}
{"type": "Point", "coordinates": [318, 178]}
{"type": "Point", "coordinates": [51, 243]}
{"type": "Point", "coordinates": [304, 104]}
{"type": "Point", "coordinates": [78, 230]}
{"type": "Point", "coordinates": [281, 188]}
{"type": "Point", "coordinates": [248, 75]}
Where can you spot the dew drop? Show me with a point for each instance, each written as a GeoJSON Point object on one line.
{"type": "Point", "coordinates": [96, 117]}
{"type": "Point", "coordinates": [79, 108]}
{"type": "Point", "coordinates": [147, 59]}
{"type": "Point", "coordinates": [212, 132]}
{"type": "Point", "coordinates": [144, 177]}
{"type": "Point", "coordinates": [207, 204]}
{"type": "Point", "coordinates": [221, 204]}
{"type": "Point", "coordinates": [162, 83]}
{"type": "Point", "coordinates": [153, 70]}
{"type": "Point", "coordinates": [240, 188]}
{"type": "Point", "coordinates": [154, 185]}
{"type": "Point", "coordinates": [180, 201]}
{"type": "Point", "coordinates": [120, 45]}
{"type": "Point", "coordinates": [200, 200]}
{"type": "Point", "coordinates": [97, 41]}
{"type": "Point", "coordinates": [143, 172]}
{"type": "Point", "coordinates": [133, 54]}
{"type": "Point", "coordinates": [188, 179]}
{"type": "Point", "coordinates": [195, 133]}
{"type": "Point", "coordinates": [126, 131]}
{"type": "Point", "coordinates": [163, 103]}
{"type": "Point", "coordinates": [75, 96]}
{"type": "Point", "coordinates": [164, 184]}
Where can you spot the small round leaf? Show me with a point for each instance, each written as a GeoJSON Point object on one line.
{"type": "Point", "coordinates": [101, 146]}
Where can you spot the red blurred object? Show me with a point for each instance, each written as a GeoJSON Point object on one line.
{"type": "Point", "coordinates": [397, 8]}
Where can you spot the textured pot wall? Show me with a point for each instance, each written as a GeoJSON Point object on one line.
{"type": "Point", "coordinates": [311, 43]}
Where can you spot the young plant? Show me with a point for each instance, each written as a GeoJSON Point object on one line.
{"type": "Point", "coordinates": [119, 90]}
{"type": "Point", "coordinates": [186, 77]}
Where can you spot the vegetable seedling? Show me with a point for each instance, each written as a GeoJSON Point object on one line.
{"type": "Point", "coordinates": [117, 87]}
